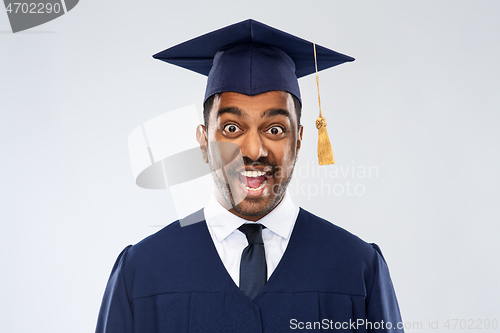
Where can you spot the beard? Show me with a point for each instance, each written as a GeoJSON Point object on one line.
{"type": "Point", "coordinates": [253, 206]}
{"type": "Point", "coordinates": [226, 181]}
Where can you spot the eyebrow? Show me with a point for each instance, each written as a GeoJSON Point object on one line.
{"type": "Point", "coordinates": [240, 113]}
{"type": "Point", "coordinates": [232, 110]}
{"type": "Point", "coordinates": [275, 112]}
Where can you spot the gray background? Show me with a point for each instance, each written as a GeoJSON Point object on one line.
{"type": "Point", "coordinates": [420, 104]}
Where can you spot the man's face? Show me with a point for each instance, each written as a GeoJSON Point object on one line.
{"type": "Point", "coordinates": [264, 127]}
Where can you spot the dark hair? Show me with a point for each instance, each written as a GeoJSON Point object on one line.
{"type": "Point", "coordinates": [210, 102]}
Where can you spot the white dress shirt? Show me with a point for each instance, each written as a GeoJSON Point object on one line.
{"type": "Point", "coordinates": [230, 242]}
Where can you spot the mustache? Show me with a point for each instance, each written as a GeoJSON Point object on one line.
{"type": "Point", "coordinates": [260, 162]}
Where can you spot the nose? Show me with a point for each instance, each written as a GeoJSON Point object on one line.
{"type": "Point", "coordinates": [253, 146]}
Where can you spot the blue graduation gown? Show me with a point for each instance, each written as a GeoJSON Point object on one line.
{"type": "Point", "coordinates": [174, 281]}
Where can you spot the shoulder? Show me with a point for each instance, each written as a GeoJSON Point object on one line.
{"type": "Point", "coordinates": [169, 246]}
{"type": "Point", "coordinates": [332, 238]}
{"type": "Point", "coordinates": [167, 260]}
{"type": "Point", "coordinates": [169, 242]}
{"type": "Point", "coordinates": [342, 262]}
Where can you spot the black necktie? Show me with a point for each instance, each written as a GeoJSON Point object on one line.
{"type": "Point", "coordinates": [253, 268]}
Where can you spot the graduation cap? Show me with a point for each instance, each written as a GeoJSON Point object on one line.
{"type": "Point", "coordinates": [251, 58]}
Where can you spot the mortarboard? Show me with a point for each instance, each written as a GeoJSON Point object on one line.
{"type": "Point", "coordinates": [250, 58]}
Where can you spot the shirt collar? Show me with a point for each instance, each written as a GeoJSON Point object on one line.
{"type": "Point", "coordinates": [222, 222]}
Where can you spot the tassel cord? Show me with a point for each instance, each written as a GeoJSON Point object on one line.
{"type": "Point", "coordinates": [317, 79]}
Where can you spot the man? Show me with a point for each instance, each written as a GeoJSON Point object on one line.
{"type": "Point", "coordinates": [254, 262]}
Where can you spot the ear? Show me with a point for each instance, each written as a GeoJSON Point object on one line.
{"type": "Point", "coordinates": [201, 137]}
{"type": "Point", "coordinates": [299, 140]}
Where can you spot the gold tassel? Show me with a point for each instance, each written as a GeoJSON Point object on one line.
{"type": "Point", "coordinates": [325, 153]}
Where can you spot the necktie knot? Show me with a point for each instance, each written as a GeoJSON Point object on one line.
{"type": "Point", "coordinates": [253, 232]}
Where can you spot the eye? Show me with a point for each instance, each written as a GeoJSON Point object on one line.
{"type": "Point", "coordinates": [231, 128]}
{"type": "Point", "coordinates": [276, 130]}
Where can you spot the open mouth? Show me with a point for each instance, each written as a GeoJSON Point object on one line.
{"type": "Point", "coordinates": [253, 180]}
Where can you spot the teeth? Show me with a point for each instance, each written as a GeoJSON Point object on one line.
{"type": "Point", "coordinates": [253, 173]}
{"type": "Point", "coordinates": [258, 188]}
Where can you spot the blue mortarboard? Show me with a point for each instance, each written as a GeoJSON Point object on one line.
{"type": "Point", "coordinates": [251, 58]}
